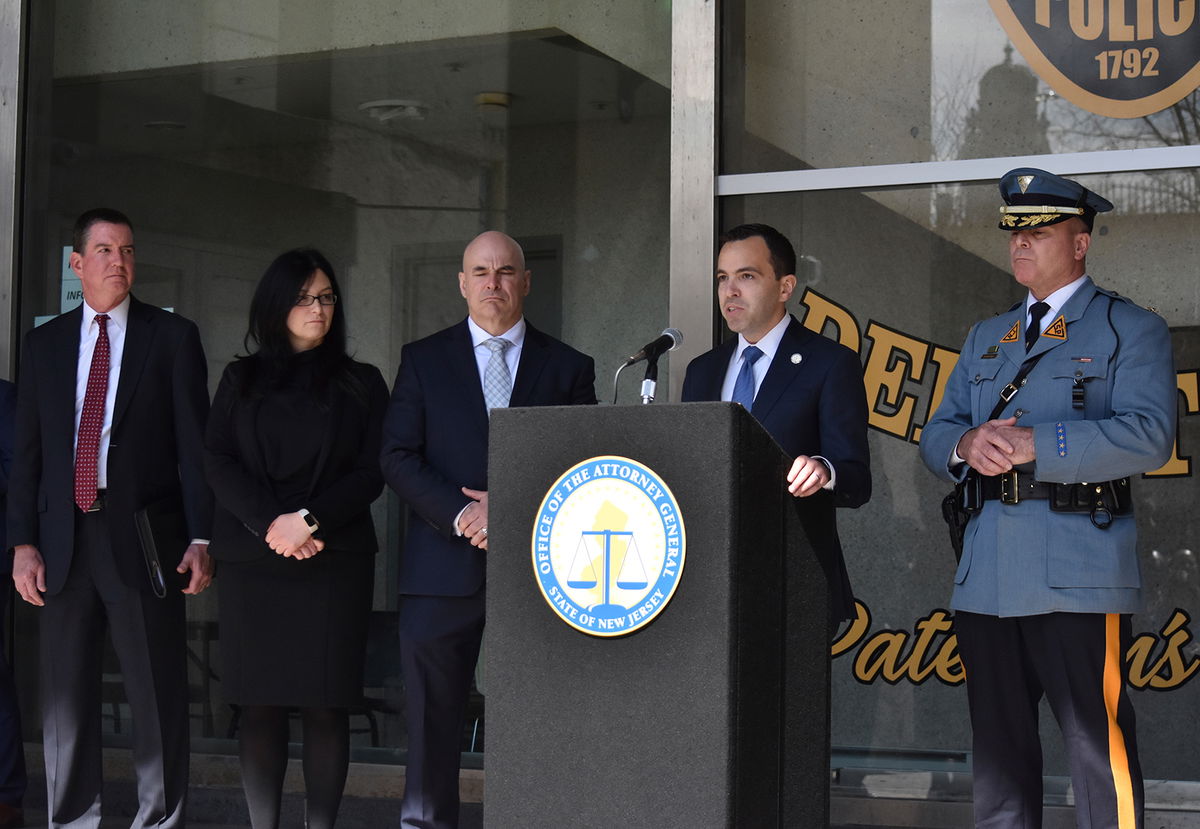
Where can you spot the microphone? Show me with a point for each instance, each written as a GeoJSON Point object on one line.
{"type": "Point", "coordinates": [669, 340]}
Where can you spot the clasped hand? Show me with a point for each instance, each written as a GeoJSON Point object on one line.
{"type": "Point", "coordinates": [473, 521]}
{"type": "Point", "coordinates": [288, 536]}
{"type": "Point", "coordinates": [995, 447]}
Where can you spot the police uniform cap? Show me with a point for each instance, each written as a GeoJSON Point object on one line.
{"type": "Point", "coordinates": [1036, 198]}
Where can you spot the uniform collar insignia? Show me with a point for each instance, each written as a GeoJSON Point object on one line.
{"type": "Point", "coordinates": [1057, 329]}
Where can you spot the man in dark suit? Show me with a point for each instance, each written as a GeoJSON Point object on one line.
{"type": "Point", "coordinates": [110, 418]}
{"type": "Point", "coordinates": [435, 443]}
{"type": "Point", "coordinates": [12, 749]}
{"type": "Point", "coordinates": [805, 389]}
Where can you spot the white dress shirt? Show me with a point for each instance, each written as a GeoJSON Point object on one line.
{"type": "Point", "coordinates": [768, 345]}
{"type": "Point", "coordinates": [483, 354]}
{"type": "Point", "coordinates": [1056, 301]}
{"type": "Point", "coordinates": [89, 331]}
{"type": "Point", "coordinates": [515, 335]}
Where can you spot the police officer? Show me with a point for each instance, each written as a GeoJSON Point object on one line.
{"type": "Point", "coordinates": [1074, 384]}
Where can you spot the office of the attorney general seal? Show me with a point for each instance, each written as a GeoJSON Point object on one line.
{"type": "Point", "coordinates": [608, 546]}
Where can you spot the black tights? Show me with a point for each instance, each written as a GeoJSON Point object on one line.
{"type": "Point", "coordinates": [262, 749]}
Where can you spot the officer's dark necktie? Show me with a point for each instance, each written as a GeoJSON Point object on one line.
{"type": "Point", "coordinates": [743, 387]}
{"type": "Point", "coordinates": [1036, 312]}
{"type": "Point", "coordinates": [91, 420]}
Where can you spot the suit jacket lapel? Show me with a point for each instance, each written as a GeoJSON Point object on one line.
{"type": "Point", "coordinates": [1014, 349]}
{"type": "Point", "coordinates": [782, 370]}
{"type": "Point", "coordinates": [65, 359]}
{"type": "Point", "coordinates": [138, 338]}
{"type": "Point", "coordinates": [464, 371]}
{"type": "Point", "coordinates": [533, 359]}
{"type": "Point", "coordinates": [713, 371]}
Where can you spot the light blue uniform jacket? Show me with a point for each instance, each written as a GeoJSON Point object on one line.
{"type": "Point", "coordinates": [1023, 559]}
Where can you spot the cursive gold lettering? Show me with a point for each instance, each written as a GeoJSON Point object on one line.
{"type": "Point", "coordinates": [930, 651]}
{"type": "Point", "coordinates": [1173, 666]}
{"type": "Point", "coordinates": [896, 655]}
{"type": "Point", "coordinates": [854, 631]}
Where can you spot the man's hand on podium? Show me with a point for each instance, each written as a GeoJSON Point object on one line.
{"type": "Point", "coordinates": [807, 476]}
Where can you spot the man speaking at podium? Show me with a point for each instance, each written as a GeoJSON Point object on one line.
{"type": "Point", "coordinates": [806, 390]}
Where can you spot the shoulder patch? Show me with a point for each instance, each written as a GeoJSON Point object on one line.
{"type": "Point", "coordinates": [1013, 334]}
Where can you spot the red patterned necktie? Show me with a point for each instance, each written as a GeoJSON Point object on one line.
{"type": "Point", "coordinates": [91, 421]}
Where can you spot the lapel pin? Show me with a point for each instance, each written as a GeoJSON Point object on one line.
{"type": "Point", "coordinates": [796, 358]}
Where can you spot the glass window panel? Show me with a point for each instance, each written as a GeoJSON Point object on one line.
{"type": "Point", "coordinates": [232, 131]}
{"type": "Point", "coordinates": [837, 84]}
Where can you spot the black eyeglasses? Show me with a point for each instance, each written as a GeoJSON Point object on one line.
{"type": "Point", "coordinates": [304, 300]}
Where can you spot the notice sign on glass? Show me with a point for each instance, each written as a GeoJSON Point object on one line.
{"type": "Point", "coordinates": [1117, 58]}
{"type": "Point", "coordinates": [71, 290]}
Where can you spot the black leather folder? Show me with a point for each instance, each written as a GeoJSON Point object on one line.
{"type": "Point", "coordinates": [162, 530]}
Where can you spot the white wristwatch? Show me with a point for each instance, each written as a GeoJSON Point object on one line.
{"type": "Point", "coordinates": [310, 520]}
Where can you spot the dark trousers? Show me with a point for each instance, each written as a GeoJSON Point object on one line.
{"type": "Point", "coordinates": [149, 638]}
{"type": "Point", "coordinates": [1077, 661]}
{"type": "Point", "coordinates": [439, 646]}
{"type": "Point", "coordinates": [12, 748]}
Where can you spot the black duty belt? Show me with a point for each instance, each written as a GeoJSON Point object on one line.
{"type": "Point", "coordinates": [1013, 488]}
{"type": "Point", "coordinates": [1101, 500]}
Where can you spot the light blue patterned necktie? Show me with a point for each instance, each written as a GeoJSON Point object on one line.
{"type": "Point", "coordinates": [743, 387]}
{"type": "Point", "coordinates": [497, 381]}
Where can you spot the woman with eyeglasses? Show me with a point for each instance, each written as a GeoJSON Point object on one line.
{"type": "Point", "coordinates": [293, 459]}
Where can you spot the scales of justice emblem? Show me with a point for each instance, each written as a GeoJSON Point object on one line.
{"type": "Point", "coordinates": [608, 546]}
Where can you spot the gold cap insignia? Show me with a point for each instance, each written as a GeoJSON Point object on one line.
{"type": "Point", "coordinates": [1024, 182]}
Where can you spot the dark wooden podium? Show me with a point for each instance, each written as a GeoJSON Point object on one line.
{"type": "Point", "coordinates": [716, 713]}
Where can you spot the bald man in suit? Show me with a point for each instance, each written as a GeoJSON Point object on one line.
{"type": "Point", "coordinates": [435, 444]}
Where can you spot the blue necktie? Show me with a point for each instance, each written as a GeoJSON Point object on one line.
{"type": "Point", "coordinates": [743, 387]}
